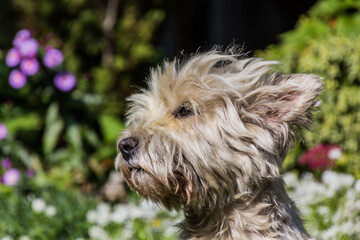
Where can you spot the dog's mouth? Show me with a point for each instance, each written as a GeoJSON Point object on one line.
{"type": "Point", "coordinates": [136, 176]}
{"type": "Point", "coordinates": [135, 169]}
{"type": "Point", "coordinates": [132, 168]}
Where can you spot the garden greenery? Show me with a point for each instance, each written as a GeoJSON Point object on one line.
{"type": "Point", "coordinates": [326, 42]}
{"type": "Point", "coordinates": [330, 206]}
{"type": "Point", "coordinates": [62, 125]}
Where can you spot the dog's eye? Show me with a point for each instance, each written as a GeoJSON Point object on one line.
{"type": "Point", "coordinates": [183, 112]}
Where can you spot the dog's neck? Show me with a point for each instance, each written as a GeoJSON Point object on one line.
{"type": "Point", "coordinates": [265, 215]}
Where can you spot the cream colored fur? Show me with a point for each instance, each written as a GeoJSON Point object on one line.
{"type": "Point", "coordinates": [220, 164]}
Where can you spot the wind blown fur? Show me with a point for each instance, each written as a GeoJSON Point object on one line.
{"type": "Point", "coordinates": [211, 133]}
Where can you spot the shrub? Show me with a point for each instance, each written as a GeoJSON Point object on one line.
{"type": "Point", "coordinates": [43, 213]}
{"type": "Point", "coordinates": [65, 127]}
{"type": "Point", "coordinates": [330, 207]}
{"type": "Point", "coordinates": [31, 212]}
{"type": "Point", "coordinates": [145, 221]}
{"type": "Point", "coordinates": [326, 42]}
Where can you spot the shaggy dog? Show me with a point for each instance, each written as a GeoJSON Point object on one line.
{"type": "Point", "coordinates": [208, 136]}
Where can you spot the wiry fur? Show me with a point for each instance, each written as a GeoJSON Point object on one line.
{"type": "Point", "coordinates": [221, 164]}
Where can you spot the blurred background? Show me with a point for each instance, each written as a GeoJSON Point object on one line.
{"type": "Point", "coordinates": [66, 67]}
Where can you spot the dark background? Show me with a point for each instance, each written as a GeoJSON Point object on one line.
{"type": "Point", "coordinates": [204, 23]}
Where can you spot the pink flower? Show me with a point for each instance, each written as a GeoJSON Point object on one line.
{"type": "Point", "coordinates": [17, 79]}
{"type": "Point", "coordinates": [321, 157]}
{"type": "Point", "coordinates": [65, 81]}
{"type": "Point", "coordinates": [53, 58]}
{"type": "Point", "coordinates": [20, 37]}
{"type": "Point", "coordinates": [3, 131]}
{"type": "Point", "coordinates": [13, 57]}
{"type": "Point", "coordinates": [11, 177]}
{"type": "Point", "coordinates": [29, 48]}
{"type": "Point", "coordinates": [29, 66]}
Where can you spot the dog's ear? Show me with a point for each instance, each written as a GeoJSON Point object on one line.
{"type": "Point", "coordinates": [285, 99]}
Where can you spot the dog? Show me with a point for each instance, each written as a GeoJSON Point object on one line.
{"type": "Point", "coordinates": [209, 135]}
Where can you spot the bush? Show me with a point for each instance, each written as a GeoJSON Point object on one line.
{"type": "Point", "coordinates": [58, 130]}
{"type": "Point", "coordinates": [326, 42]}
{"type": "Point", "coordinates": [69, 137]}
{"type": "Point", "coordinates": [330, 207]}
{"type": "Point", "coordinates": [43, 213]}
{"type": "Point", "coordinates": [144, 221]}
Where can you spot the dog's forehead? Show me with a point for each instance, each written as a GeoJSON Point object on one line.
{"type": "Point", "coordinates": [200, 81]}
{"type": "Point", "coordinates": [192, 82]}
{"type": "Point", "coordinates": [157, 105]}
{"type": "Point", "coordinates": [149, 108]}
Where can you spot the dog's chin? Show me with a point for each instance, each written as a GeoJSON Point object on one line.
{"type": "Point", "coordinates": [132, 173]}
{"type": "Point", "coordinates": [149, 186]}
{"type": "Point", "coordinates": [139, 179]}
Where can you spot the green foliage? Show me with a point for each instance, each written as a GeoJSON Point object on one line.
{"type": "Point", "coordinates": [53, 213]}
{"type": "Point", "coordinates": [330, 206]}
{"type": "Point", "coordinates": [326, 42]}
{"type": "Point", "coordinates": [105, 49]}
{"type": "Point", "coordinates": [20, 216]}
{"type": "Point", "coordinates": [144, 221]}
{"type": "Point", "coordinates": [110, 128]}
{"type": "Point", "coordinates": [66, 136]}
{"type": "Point", "coordinates": [69, 138]}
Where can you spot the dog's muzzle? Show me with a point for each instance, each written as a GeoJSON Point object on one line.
{"type": "Point", "coordinates": [128, 147]}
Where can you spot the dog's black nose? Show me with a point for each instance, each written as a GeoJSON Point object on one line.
{"type": "Point", "coordinates": [127, 147]}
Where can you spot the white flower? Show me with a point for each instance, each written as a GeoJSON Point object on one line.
{"type": "Point", "coordinates": [103, 207]}
{"type": "Point", "coordinates": [97, 232]}
{"type": "Point", "coordinates": [148, 209]}
{"type": "Point", "coordinates": [323, 210]}
{"type": "Point", "coordinates": [290, 179]}
{"type": "Point", "coordinates": [347, 180]}
{"type": "Point", "coordinates": [330, 233]}
{"type": "Point", "coordinates": [120, 213]}
{"type": "Point", "coordinates": [308, 191]}
{"type": "Point", "coordinates": [103, 214]}
{"type": "Point", "coordinates": [24, 237]}
{"type": "Point", "coordinates": [136, 212]}
{"type": "Point", "coordinates": [38, 205]}
{"type": "Point", "coordinates": [123, 212]}
{"type": "Point", "coordinates": [335, 153]}
{"type": "Point", "coordinates": [127, 233]}
{"type": "Point", "coordinates": [335, 181]}
{"type": "Point", "coordinates": [330, 178]}
{"type": "Point", "coordinates": [348, 228]}
{"type": "Point", "coordinates": [357, 186]}
{"type": "Point", "coordinates": [50, 211]}
{"type": "Point", "coordinates": [310, 195]}
{"type": "Point", "coordinates": [91, 216]}
{"type": "Point", "coordinates": [6, 238]}
{"type": "Point", "coordinates": [146, 204]}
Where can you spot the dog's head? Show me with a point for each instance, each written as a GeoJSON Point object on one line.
{"type": "Point", "coordinates": [212, 128]}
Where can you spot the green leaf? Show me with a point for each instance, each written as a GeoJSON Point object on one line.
{"type": "Point", "coordinates": [91, 137]}
{"type": "Point", "coordinates": [23, 155]}
{"type": "Point", "coordinates": [51, 135]}
{"type": "Point", "coordinates": [110, 128]}
{"type": "Point", "coordinates": [52, 113]}
{"type": "Point", "coordinates": [28, 121]}
{"type": "Point", "coordinates": [73, 135]}
{"type": "Point", "coordinates": [106, 151]}
{"type": "Point", "coordinates": [58, 155]}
